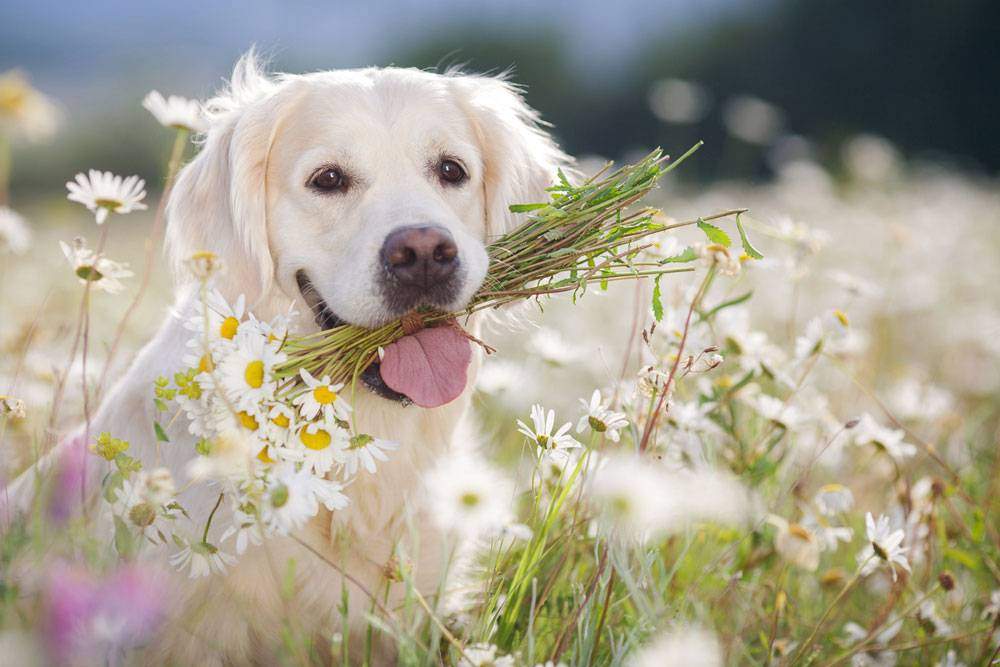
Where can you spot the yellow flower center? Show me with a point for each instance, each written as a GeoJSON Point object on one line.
{"type": "Point", "coordinates": [228, 327]}
{"type": "Point", "coordinates": [281, 420]}
{"type": "Point", "coordinates": [248, 421]}
{"type": "Point", "coordinates": [323, 395]}
{"type": "Point", "coordinates": [316, 441]}
{"type": "Point", "coordinates": [254, 374]}
{"type": "Point", "coordinates": [263, 457]}
{"type": "Point", "coordinates": [110, 204]}
{"type": "Point", "coordinates": [205, 364]}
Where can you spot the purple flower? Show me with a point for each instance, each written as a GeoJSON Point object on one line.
{"type": "Point", "coordinates": [91, 616]}
{"type": "Point", "coordinates": [68, 484]}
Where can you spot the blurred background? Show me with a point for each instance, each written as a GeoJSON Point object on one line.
{"type": "Point", "coordinates": [761, 82]}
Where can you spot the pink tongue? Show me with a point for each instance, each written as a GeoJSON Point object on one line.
{"type": "Point", "coordinates": [428, 366]}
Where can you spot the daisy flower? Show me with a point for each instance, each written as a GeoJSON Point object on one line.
{"type": "Point", "coordinates": [484, 655]}
{"type": "Point", "coordinates": [322, 446]}
{"type": "Point", "coordinates": [362, 451]}
{"type": "Point", "coordinates": [833, 499]}
{"type": "Point", "coordinates": [11, 407]}
{"type": "Point", "coordinates": [204, 264]}
{"type": "Point", "coordinates": [870, 432]}
{"type": "Point", "coordinates": [176, 112]}
{"type": "Point", "coordinates": [279, 424]}
{"type": "Point", "coordinates": [468, 496]}
{"type": "Point", "coordinates": [322, 397]}
{"type": "Point", "coordinates": [686, 646]}
{"type": "Point", "coordinates": [103, 192]}
{"type": "Point", "coordinates": [247, 373]}
{"type": "Point", "coordinates": [883, 545]}
{"type": "Point", "coordinates": [89, 267]}
{"type": "Point", "coordinates": [201, 558]}
{"type": "Point", "coordinates": [796, 544]}
{"type": "Point", "coordinates": [293, 497]}
{"type": "Point", "coordinates": [15, 236]}
{"type": "Point", "coordinates": [541, 430]}
{"type": "Point", "coordinates": [247, 530]}
{"type": "Point", "coordinates": [131, 505]}
{"type": "Point", "coordinates": [600, 419]}
{"type": "Point", "coordinates": [25, 110]}
{"type": "Point", "coordinates": [225, 320]}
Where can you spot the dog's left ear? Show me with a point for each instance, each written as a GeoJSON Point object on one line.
{"type": "Point", "coordinates": [219, 202]}
{"type": "Point", "coordinates": [520, 158]}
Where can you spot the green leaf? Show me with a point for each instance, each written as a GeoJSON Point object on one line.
{"type": "Point", "coordinates": [964, 557]}
{"type": "Point", "coordinates": [747, 246]}
{"type": "Point", "coordinates": [688, 255]}
{"type": "Point", "coordinates": [124, 540]}
{"type": "Point", "coordinates": [726, 304]}
{"type": "Point", "coordinates": [161, 435]}
{"type": "Point", "coordinates": [657, 299]}
{"type": "Point", "coordinates": [525, 208]}
{"type": "Point", "coordinates": [714, 234]}
{"type": "Point", "coordinates": [160, 405]}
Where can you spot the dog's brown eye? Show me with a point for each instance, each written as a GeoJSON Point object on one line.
{"type": "Point", "coordinates": [329, 179]}
{"type": "Point", "coordinates": [451, 172]}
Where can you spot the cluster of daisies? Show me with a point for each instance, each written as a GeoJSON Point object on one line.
{"type": "Point", "coordinates": [276, 448]}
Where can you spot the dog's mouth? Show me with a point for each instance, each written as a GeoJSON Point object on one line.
{"type": "Point", "coordinates": [327, 319]}
{"type": "Point", "coordinates": [427, 367]}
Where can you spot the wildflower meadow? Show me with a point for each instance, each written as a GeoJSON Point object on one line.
{"type": "Point", "coordinates": [763, 432]}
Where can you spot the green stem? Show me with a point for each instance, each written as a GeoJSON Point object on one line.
{"type": "Point", "coordinates": [208, 524]}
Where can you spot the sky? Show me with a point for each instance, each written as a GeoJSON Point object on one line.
{"type": "Point", "coordinates": [73, 47]}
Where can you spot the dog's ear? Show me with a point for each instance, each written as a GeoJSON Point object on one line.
{"type": "Point", "coordinates": [520, 158]}
{"type": "Point", "coordinates": [219, 201]}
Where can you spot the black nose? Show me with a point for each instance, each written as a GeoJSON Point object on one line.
{"type": "Point", "coordinates": [420, 255]}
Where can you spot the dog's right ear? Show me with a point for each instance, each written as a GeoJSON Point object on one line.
{"type": "Point", "coordinates": [219, 201]}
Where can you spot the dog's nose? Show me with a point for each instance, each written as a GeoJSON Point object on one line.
{"type": "Point", "coordinates": [420, 255]}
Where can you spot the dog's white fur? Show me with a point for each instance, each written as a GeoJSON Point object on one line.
{"type": "Point", "coordinates": [245, 197]}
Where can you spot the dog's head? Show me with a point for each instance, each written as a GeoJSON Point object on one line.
{"type": "Point", "coordinates": [362, 193]}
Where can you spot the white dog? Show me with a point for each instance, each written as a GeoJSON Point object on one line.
{"type": "Point", "coordinates": [357, 195]}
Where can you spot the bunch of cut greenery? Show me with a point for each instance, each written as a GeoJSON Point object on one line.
{"type": "Point", "coordinates": [587, 233]}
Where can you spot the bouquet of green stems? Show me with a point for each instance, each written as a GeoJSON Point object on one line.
{"type": "Point", "coordinates": [584, 234]}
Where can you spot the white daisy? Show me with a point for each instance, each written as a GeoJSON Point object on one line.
{"type": "Point", "coordinates": [685, 646]}
{"type": "Point", "coordinates": [484, 655]}
{"type": "Point", "coordinates": [176, 112]}
{"type": "Point", "coordinates": [883, 546]}
{"type": "Point", "coordinates": [870, 432]}
{"type": "Point", "coordinates": [24, 110]}
{"type": "Point", "coordinates": [468, 496]}
{"type": "Point", "coordinates": [103, 192]}
{"type": "Point", "coordinates": [321, 446]}
{"type": "Point", "coordinates": [322, 397]}
{"type": "Point", "coordinates": [280, 425]}
{"type": "Point", "coordinates": [15, 235]}
{"type": "Point", "coordinates": [362, 451]}
{"type": "Point", "coordinates": [204, 264]}
{"type": "Point", "coordinates": [796, 543]}
{"type": "Point", "coordinates": [247, 373]}
{"type": "Point", "coordinates": [833, 499]}
{"type": "Point", "coordinates": [11, 407]}
{"type": "Point", "coordinates": [225, 320]}
{"type": "Point", "coordinates": [247, 530]}
{"type": "Point", "coordinates": [600, 419]}
{"type": "Point", "coordinates": [131, 505]}
{"type": "Point", "coordinates": [89, 267]}
{"type": "Point", "coordinates": [201, 558]}
{"type": "Point", "coordinates": [293, 497]}
{"type": "Point", "coordinates": [541, 430]}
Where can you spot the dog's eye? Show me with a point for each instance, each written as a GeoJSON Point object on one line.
{"type": "Point", "coordinates": [451, 172]}
{"type": "Point", "coordinates": [329, 179]}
